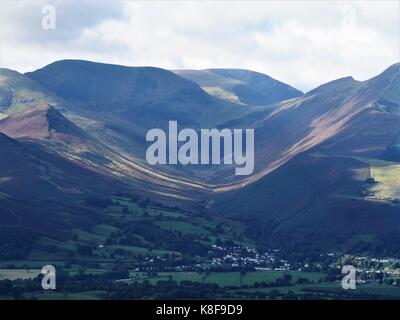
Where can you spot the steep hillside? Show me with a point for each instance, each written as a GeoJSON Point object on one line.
{"type": "Point", "coordinates": [39, 192]}
{"type": "Point", "coordinates": [44, 128]}
{"type": "Point", "coordinates": [118, 105]}
{"type": "Point", "coordinates": [32, 171]}
{"type": "Point", "coordinates": [326, 163]}
{"type": "Point", "coordinates": [344, 109]}
{"type": "Point", "coordinates": [41, 122]}
{"type": "Point", "coordinates": [147, 95]}
{"type": "Point", "coordinates": [333, 181]}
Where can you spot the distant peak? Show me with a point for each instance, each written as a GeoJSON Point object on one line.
{"type": "Point", "coordinates": [395, 66]}
{"type": "Point", "coordinates": [236, 70]}
{"type": "Point", "coordinates": [241, 86]}
{"type": "Point", "coordinates": [5, 72]}
{"type": "Point", "coordinates": [342, 80]}
{"type": "Point", "coordinates": [238, 73]}
{"type": "Point", "coordinates": [74, 65]}
{"type": "Point", "coordinates": [340, 83]}
{"type": "Point", "coordinates": [393, 70]}
{"type": "Point", "coordinates": [41, 107]}
{"type": "Point", "coordinates": [36, 110]}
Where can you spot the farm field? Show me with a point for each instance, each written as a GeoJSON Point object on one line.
{"type": "Point", "coordinates": [14, 274]}
{"type": "Point", "coordinates": [234, 278]}
{"type": "Point", "coordinates": [143, 246]}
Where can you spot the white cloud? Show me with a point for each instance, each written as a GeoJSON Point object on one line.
{"type": "Point", "coordinates": [301, 43]}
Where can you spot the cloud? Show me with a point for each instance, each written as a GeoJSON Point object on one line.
{"type": "Point", "coordinates": [21, 20]}
{"type": "Point", "coordinates": [301, 43]}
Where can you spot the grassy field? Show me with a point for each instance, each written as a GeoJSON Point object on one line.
{"type": "Point", "coordinates": [142, 251]}
{"type": "Point", "coordinates": [104, 230]}
{"type": "Point", "coordinates": [387, 177]}
{"type": "Point", "coordinates": [389, 292]}
{"type": "Point", "coordinates": [98, 249]}
{"type": "Point", "coordinates": [387, 174]}
{"type": "Point", "coordinates": [14, 274]}
{"type": "Point", "coordinates": [183, 227]}
{"type": "Point", "coordinates": [233, 278]}
{"type": "Point", "coordinates": [315, 285]}
{"type": "Point", "coordinates": [136, 210]}
{"type": "Point", "coordinates": [88, 236]}
{"type": "Point", "coordinates": [245, 285]}
{"type": "Point", "coordinates": [85, 295]}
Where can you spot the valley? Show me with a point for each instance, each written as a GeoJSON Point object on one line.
{"type": "Point", "coordinates": [170, 248]}
{"type": "Point", "coordinates": [77, 192]}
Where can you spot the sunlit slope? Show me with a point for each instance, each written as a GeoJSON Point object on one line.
{"type": "Point", "coordinates": [241, 86]}
{"type": "Point", "coordinates": [341, 178]}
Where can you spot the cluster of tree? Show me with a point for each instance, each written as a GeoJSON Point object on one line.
{"type": "Point", "coordinates": [100, 203]}
{"type": "Point", "coordinates": [386, 245]}
{"type": "Point", "coordinates": [162, 239]}
{"type": "Point", "coordinates": [168, 289]}
{"type": "Point", "coordinates": [146, 202]}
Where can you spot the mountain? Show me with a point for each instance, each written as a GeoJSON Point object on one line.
{"type": "Point", "coordinates": [40, 194]}
{"type": "Point", "coordinates": [118, 105]}
{"type": "Point", "coordinates": [326, 162]}
{"type": "Point", "coordinates": [328, 178]}
{"type": "Point", "coordinates": [32, 170]}
{"type": "Point", "coordinates": [41, 122]}
{"type": "Point", "coordinates": [241, 86]}
{"type": "Point", "coordinates": [344, 108]}
{"type": "Point", "coordinates": [50, 167]}
{"type": "Point", "coordinates": [43, 128]}
{"type": "Point", "coordinates": [145, 94]}
{"type": "Point", "coordinates": [18, 93]}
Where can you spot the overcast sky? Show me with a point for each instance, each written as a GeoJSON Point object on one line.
{"type": "Point", "coordinates": [301, 43]}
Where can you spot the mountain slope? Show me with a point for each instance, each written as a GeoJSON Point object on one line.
{"type": "Point", "coordinates": [30, 170]}
{"type": "Point", "coordinates": [143, 93]}
{"type": "Point", "coordinates": [325, 162]}
{"type": "Point", "coordinates": [41, 122]}
{"type": "Point", "coordinates": [40, 191]}
{"type": "Point", "coordinates": [18, 92]}
{"type": "Point", "coordinates": [329, 176]}
{"type": "Point", "coordinates": [118, 105]}
{"type": "Point", "coordinates": [241, 86]}
{"type": "Point", "coordinates": [45, 128]}
{"type": "Point", "coordinates": [343, 108]}
{"type": "Point", "coordinates": [313, 202]}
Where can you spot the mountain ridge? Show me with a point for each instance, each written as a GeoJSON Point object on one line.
{"type": "Point", "coordinates": [315, 154]}
{"type": "Point", "coordinates": [240, 85]}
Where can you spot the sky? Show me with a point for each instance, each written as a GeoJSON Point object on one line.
{"type": "Point", "coordinates": [302, 43]}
